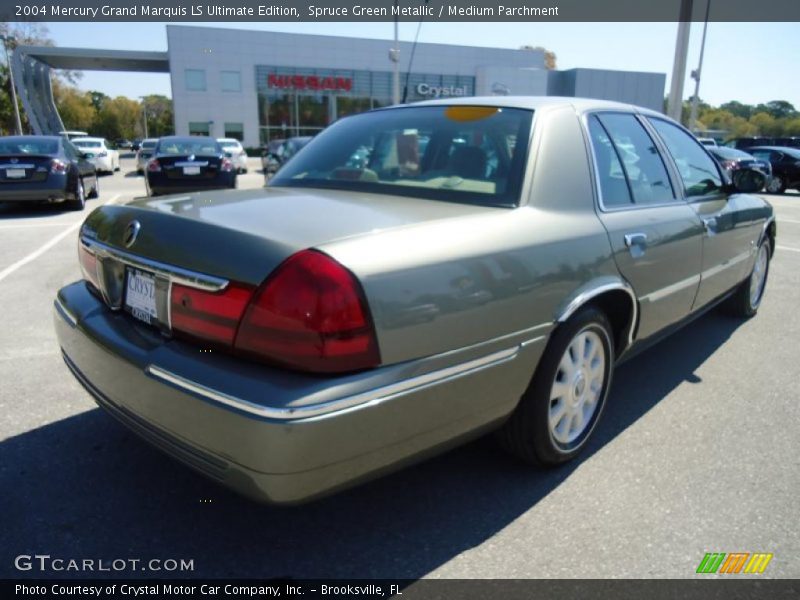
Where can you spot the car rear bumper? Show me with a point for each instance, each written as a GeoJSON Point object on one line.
{"type": "Point", "coordinates": [280, 436]}
{"type": "Point", "coordinates": [158, 184]}
{"type": "Point", "coordinates": [53, 189]}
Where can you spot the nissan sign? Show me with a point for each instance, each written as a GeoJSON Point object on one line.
{"type": "Point", "coordinates": [441, 91]}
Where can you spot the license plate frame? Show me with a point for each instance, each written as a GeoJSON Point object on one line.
{"type": "Point", "coordinates": [15, 173]}
{"type": "Point", "coordinates": [140, 296]}
{"type": "Point", "coordinates": [191, 170]}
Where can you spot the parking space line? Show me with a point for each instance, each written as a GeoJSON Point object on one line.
{"type": "Point", "coordinates": [44, 248]}
{"type": "Point", "coordinates": [788, 221]}
{"type": "Point", "coordinates": [28, 225]}
{"type": "Point", "coordinates": [789, 248]}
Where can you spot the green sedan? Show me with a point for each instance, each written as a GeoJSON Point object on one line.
{"type": "Point", "coordinates": [414, 277]}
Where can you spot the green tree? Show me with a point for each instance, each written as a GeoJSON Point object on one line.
{"type": "Point", "coordinates": [98, 99]}
{"type": "Point", "coordinates": [160, 116]}
{"type": "Point", "coordinates": [117, 118]}
{"type": "Point", "coordinates": [75, 107]}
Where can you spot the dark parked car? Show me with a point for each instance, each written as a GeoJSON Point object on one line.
{"type": "Point", "coordinates": [135, 144]}
{"type": "Point", "coordinates": [188, 164]}
{"type": "Point", "coordinates": [748, 142]}
{"type": "Point", "coordinates": [733, 160]}
{"type": "Point", "coordinates": [785, 163]}
{"type": "Point", "coordinates": [285, 151]}
{"type": "Point", "coordinates": [364, 317]}
{"type": "Point", "coordinates": [268, 149]}
{"type": "Point", "coordinates": [36, 168]}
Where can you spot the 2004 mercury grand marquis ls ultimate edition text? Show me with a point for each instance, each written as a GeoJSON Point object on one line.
{"type": "Point", "coordinates": [414, 277]}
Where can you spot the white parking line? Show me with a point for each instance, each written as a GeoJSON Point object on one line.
{"type": "Point", "coordinates": [44, 248]}
{"type": "Point", "coordinates": [789, 248]}
{"type": "Point", "coordinates": [788, 221]}
{"type": "Point", "coordinates": [29, 225]}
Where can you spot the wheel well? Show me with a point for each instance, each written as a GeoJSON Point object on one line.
{"type": "Point", "coordinates": [618, 307]}
{"type": "Point", "coordinates": [771, 233]}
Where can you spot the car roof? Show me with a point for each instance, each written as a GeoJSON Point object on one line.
{"type": "Point", "coordinates": [186, 138]}
{"type": "Point", "coordinates": [89, 139]}
{"type": "Point", "coordinates": [580, 105]}
{"type": "Point", "coordinates": [790, 149]}
{"type": "Point", "coordinates": [228, 140]}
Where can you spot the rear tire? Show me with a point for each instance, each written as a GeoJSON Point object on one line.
{"type": "Point", "coordinates": [776, 185]}
{"type": "Point", "coordinates": [747, 298]}
{"type": "Point", "coordinates": [565, 399]}
{"type": "Point", "coordinates": [95, 193]}
{"type": "Point", "coordinates": [79, 201]}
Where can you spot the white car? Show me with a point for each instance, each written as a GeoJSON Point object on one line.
{"type": "Point", "coordinates": [233, 148]}
{"type": "Point", "coordinates": [97, 150]}
{"type": "Point", "coordinates": [145, 153]}
{"type": "Point", "coordinates": [706, 141]}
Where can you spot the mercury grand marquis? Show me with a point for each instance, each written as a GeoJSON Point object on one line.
{"type": "Point", "coordinates": [416, 276]}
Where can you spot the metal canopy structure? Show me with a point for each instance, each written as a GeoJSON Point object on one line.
{"type": "Point", "coordinates": [32, 66]}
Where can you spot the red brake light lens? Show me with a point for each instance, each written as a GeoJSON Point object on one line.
{"type": "Point", "coordinates": [88, 262]}
{"type": "Point", "coordinates": [209, 316]}
{"type": "Point", "coordinates": [58, 166]}
{"type": "Point", "coordinates": [227, 165]}
{"type": "Point", "coordinates": [311, 315]}
{"type": "Point", "coordinates": [153, 166]}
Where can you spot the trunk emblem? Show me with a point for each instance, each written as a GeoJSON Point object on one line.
{"type": "Point", "coordinates": [191, 157]}
{"type": "Point", "coordinates": [15, 160]}
{"type": "Point", "coordinates": [131, 233]}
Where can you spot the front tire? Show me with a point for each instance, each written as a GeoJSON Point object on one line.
{"type": "Point", "coordinates": [747, 298]}
{"type": "Point", "coordinates": [565, 399]}
{"type": "Point", "coordinates": [95, 193]}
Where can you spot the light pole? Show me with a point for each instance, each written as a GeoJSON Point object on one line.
{"type": "Point", "coordinates": [394, 56]}
{"type": "Point", "coordinates": [144, 114]}
{"type": "Point", "coordinates": [696, 75]}
{"type": "Point", "coordinates": [11, 39]}
{"type": "Point", "coordinates": [675, 105]}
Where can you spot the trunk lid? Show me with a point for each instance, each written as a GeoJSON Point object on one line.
{"type": "Point", "coordinates": [190, 167]}
{"type": "Point", "coordinates": [19, 168]}
{"type": "Point", "coordinates": [243, 235]}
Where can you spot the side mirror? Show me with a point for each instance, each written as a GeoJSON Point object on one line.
{"type": "Point", "coordinates": [748, 181]}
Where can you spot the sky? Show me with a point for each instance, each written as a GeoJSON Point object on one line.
{"type": "Point", "coordinates": [748, 62]}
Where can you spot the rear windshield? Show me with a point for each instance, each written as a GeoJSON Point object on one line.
{"type": "Point", "coordinates": [474, 154]}
{"type": "Point", "coordinates": [86, 144]}
{"type": "Point", "coordinates": [150, 144]}
{"type": "Point", "coordinates": [28, 146]}
{"type": "Point", "coordinates": [188, 146]}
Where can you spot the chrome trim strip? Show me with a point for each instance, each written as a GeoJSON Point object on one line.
{"type": "Point", "coordinates": [17, 166]}
{"type": "Point", "coordinates": [194, 163]}
{"type": "Point", "coordinates": [587, 295]}
{"type": "Point", "coordinates": [662, 293]}
{"type": "Point", "coordinates": [717, 269]}
{"type": "Point", "coordinates": [65, 312]}
{"type": "Point", "coordinates": [174, 274]}
{"type": "Point", "coordinates": [357, 401]}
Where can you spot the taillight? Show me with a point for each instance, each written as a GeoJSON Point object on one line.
{"type": "Point", "coordinates": [88, 262]}
{"type": "Point", "coordinates": [208, 316]}
{"type": "Point", "coordinates": [311, 315]}
{"type": "Point", "coordinates": [227, 165]}
{"type": "Point", "coordinates": [154, 166]}
{"type": "Point", "coordinates": [58, 166]}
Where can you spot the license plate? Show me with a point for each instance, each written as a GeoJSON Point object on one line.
{"type": "Point", "coordinates": [140, 296]}
{"type": "Point", "coordinates": [191, 170]}
{"type": "Point", "coordinates": [15, 173]}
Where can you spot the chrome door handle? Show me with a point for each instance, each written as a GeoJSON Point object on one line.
{"type": "Point", "coordinates": [710, 225]}
{"type": "Point", "coordinates": [636, 243]}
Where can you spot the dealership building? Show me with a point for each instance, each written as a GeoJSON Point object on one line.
{"type": "Point", "coordinates": [257, 86]}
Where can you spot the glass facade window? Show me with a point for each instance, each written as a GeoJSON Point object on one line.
{"type": "Point", "coordinates": [301, 102]}
{"type": "Point", "coordinates": [234, 130]}
{"type": "Point", "coordinates": [195, 80]}
{"type": "Point", "coordinates": [231, 81]}
{"type": "Point", "coordinates": [199, 128]}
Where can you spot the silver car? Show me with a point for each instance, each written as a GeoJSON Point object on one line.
{"type": "Point", "coordinates": [414, 277]}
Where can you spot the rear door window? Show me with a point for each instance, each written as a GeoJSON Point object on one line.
{"type": "Point", "coordinates": [696, 168]}
{"type": "Point", "coordinates": [630, 169]}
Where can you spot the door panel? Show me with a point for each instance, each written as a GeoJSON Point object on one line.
{"type": "Point", "coordinates": [664, 269]}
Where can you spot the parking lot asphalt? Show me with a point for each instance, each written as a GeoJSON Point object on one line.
{"type": "Point", "coordinates": [698, 451]}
